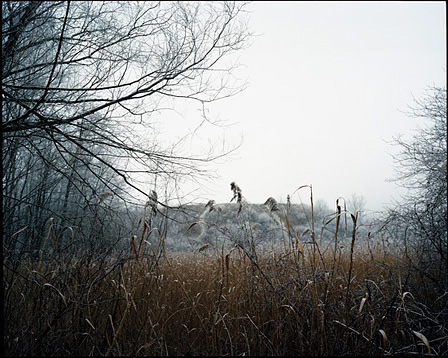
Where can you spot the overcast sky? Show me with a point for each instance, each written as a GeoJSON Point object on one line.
{"type": "Point", "coordinates": [328, 85]}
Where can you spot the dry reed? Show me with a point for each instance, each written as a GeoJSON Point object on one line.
{"type": "Point", "coordinates": [297, 299]}
{"type": "Point", "coordinates": [210, 304]}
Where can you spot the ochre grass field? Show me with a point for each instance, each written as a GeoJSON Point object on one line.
{"type": "Point", "coordinates": [217, 302]}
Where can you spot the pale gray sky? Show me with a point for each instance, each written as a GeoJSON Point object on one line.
{"type": "Point", "coordinates": [327, 82]}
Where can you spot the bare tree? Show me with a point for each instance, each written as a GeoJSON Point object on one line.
{"type": "Point", "coordinates": [356, 203]}
{"type": "Point", "coordinates": [420, 219]}
{"type": "Point", "coordinates": [81, 82]}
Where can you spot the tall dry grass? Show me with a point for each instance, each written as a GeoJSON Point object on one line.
{"type": "Point", "coordinates": [299, 298]}
{"type": "Point", "coordinates": [210, 304]}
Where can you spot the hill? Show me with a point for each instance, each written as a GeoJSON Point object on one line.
{"type": "Point", "coordinates": [192, 226]}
